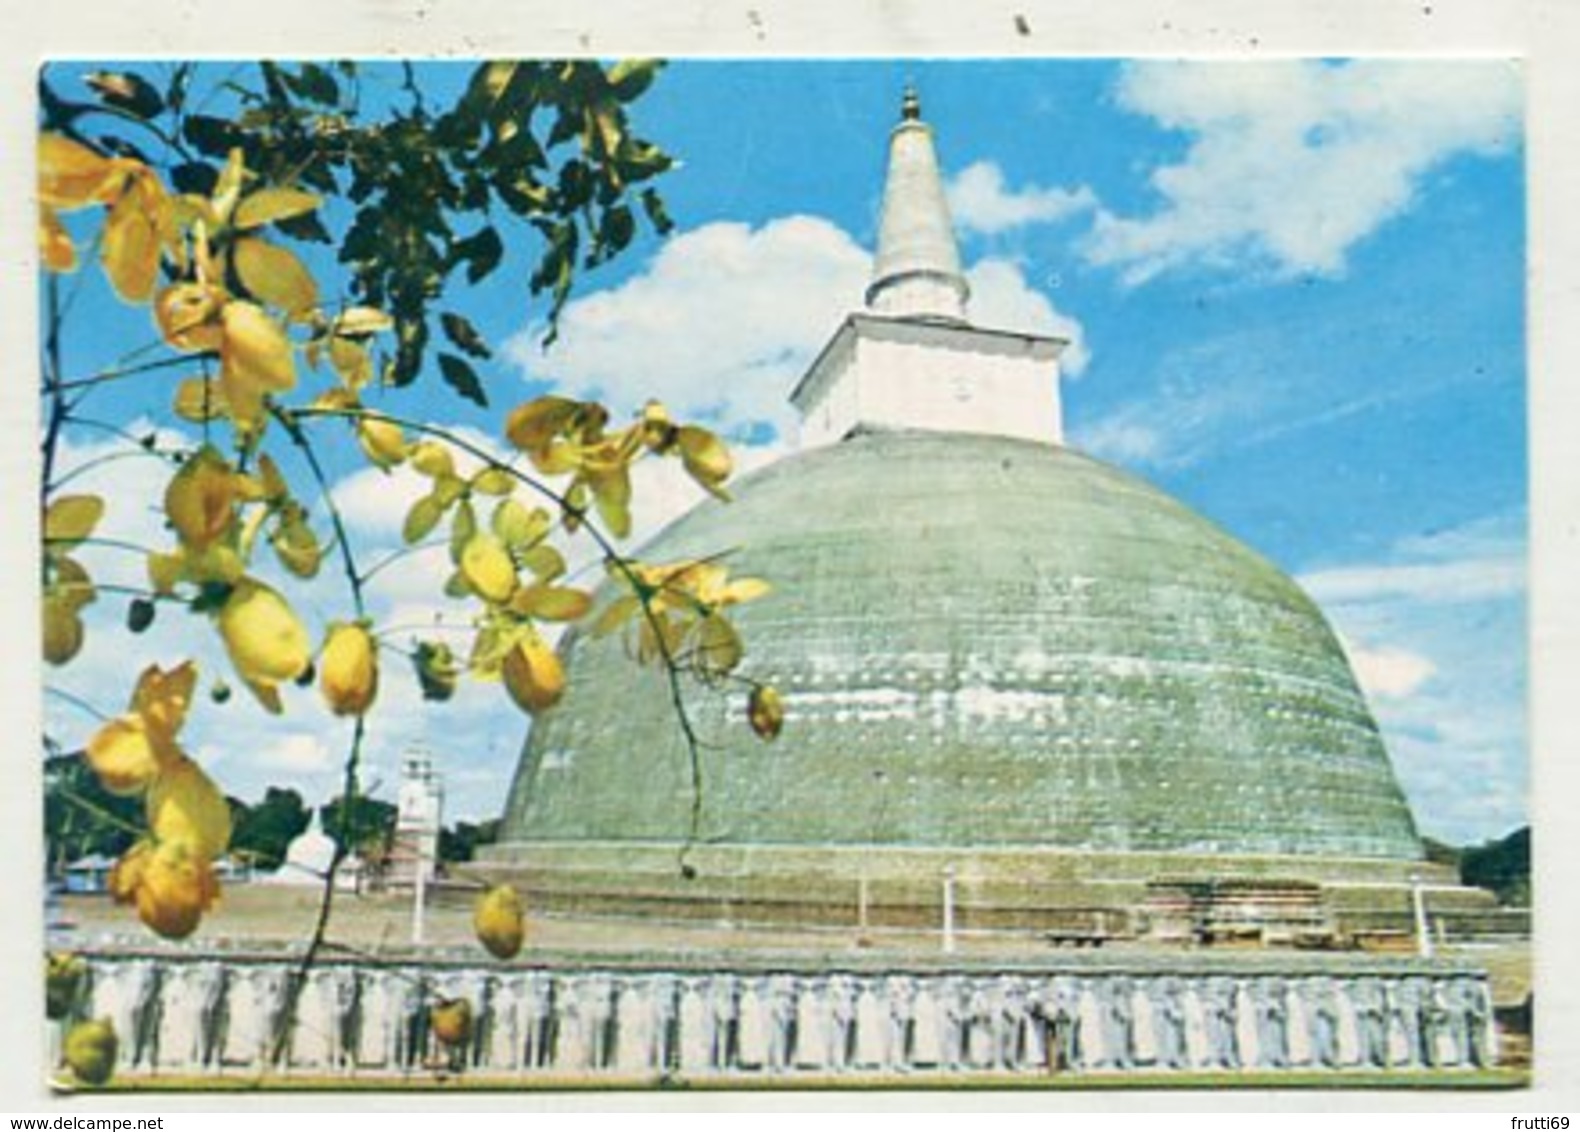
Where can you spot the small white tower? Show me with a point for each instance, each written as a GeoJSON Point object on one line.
{"type": "Point", "coordinates": [912, 359]}
{"type": "Point", "coordinates": [419, 814]}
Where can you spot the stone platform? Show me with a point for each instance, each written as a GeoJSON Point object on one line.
{"type": "Point", "coordinates": [1011, 888]}
{"type": "Point", "coordinates": [642, 1018]}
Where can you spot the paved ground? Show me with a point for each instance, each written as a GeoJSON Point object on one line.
{"type": "Point", "coordinates": [269, 915]}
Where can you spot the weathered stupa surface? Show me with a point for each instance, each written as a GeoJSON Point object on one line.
{"type": "Point", "coordinates": [983, 641]}
{"type": "Point", "coordinates": [1002, 661]}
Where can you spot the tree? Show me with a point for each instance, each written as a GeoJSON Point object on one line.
{"type": "Point", "coordinates": [459, 843]}
{"type": "Point", "coordinates": [1502, 866]}
{"type": "Point", "coordinates": [299, 239]}
{"type": "Point", "coordinates": [264, 832]}
{"type": "Point", "coordinates": [361, 825]}
{"type": "Point", "coordinates": [80, 816]}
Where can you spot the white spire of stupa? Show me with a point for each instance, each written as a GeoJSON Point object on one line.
{"type": "Point", "coordinates": [911, 360]}
{"type": "Point", "coordinates": [916, 272]}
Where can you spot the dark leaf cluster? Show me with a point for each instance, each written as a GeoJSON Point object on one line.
{"type": "Point", "coordinates": [430, 194]}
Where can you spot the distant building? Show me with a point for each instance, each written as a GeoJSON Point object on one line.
{"type": "Point", "coordinates": [419, 814]}
{"type": "Point", "coordinates": [308, 858]}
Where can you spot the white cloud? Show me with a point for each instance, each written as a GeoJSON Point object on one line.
{"type": "Point", "coordinates": [131, 481]}
{"type": "Point", "coordinates": [725, 319]}
{"type": "Point", "coordinates": [1001, 298]}
{"type": "Point", "coordinates": [1481, 561]}
{"type": "Point", "coordinates": [1290, 164]}
{"type": "Point", "coordinates": [721, 323]}
{"type": "Point", "coordinates": [1471, 580]}
{"type": "Point", "coordinates": [1389, 673]}
{"type": "Point", "coordinates": [295, 752]}
{"type": "Point", "coordinates": [980, 202]}
{"type": "Point", "coordinates": [1121, 441]}
{"type": "Point", "coordinates": [1436, 633]}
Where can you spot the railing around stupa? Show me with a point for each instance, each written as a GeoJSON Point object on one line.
{"type": "Point", "coordinates": [228, 1016]}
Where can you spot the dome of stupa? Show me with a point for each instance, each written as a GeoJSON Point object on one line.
{"type": "Point", "coordinates": [981, 641]}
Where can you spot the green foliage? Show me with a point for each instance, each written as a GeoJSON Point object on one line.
{"type": "Point", "coordinates": [80, 816]}
{"type": "Point", "coordinates": [1439, 853]}
{"type": "Point", "coordinates": [365, 826]}
{"type": "Point", "coordinates": [265, 831]}
{"type": "Point", "coordinates": [1502, 866]}
{"type": "Point", "coordinates": [431, 191]}
{"type": "Point", "coordinates": [459, 843]}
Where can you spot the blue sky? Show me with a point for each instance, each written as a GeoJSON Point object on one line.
{"type": "Point", "coordinates": [1295, 293]}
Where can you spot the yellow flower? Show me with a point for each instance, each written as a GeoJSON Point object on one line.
{"type": "Point", "coordinates": [266, 640]}
{"type": "Point", "coordinates": [126, 755]}
{"type": "Point", "coordinates": [499, 922]}
{"type": "Point", "coordinates": [175, 888]}
{"type": "Point", "coordinates": [141, 223]}
{"type": "Point", "coordinates": [275, 276]}
{"type": "Point", "coordinates": [200, 501]}
{"type": "Point", "coordinates": [382, 441]}
{"type": "Point", "coordinates": [70, 175]}
{"type": "Point", "coordinates": [533, 675]}
{"type": "Point", "coordinates": [255, 360]}
{"type": "Point", "coordinates": [451, 1021]}
{"type": "Point", "coordinates": [487, 567]}
{"type": "Point", "coordinates": [163, 698]}
{"type": "Point", "coordinates": [705, 458]}
{"type": "Point", "coordinates": [127, 873]}
{"type": "Point", "coordinates": [186, 808]}
{"type": "Point", "coordinates": [189, 315]}
{"type": "Point", "coordinates": [55, 249]}
{"type": "Point", "coordinates": [349, 669]}
{"type": "Point", "coordinates": [130, 751]}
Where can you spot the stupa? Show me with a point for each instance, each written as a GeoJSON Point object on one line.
{"type": "Point", "coordinates": [1004, 663]}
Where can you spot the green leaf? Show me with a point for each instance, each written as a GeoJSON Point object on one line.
{"type": "Point", "coordinates": [629, 78]}
{"type": "Point", "coordinates": [615, 230]}
{"type": "Point", "coordinates": [462, 527]}
{"type": "Point", "coordinates": [307, 227]}
{"type": "Point", "coordinates": [459, 375]}
{"type": "Point", "coordinates": [459, 329]}
{"type": "Point", "coordinates": [436, 670]}
{"type": "Point", "coordinates": [315, 83]}
{"type": "Point", "coordinates": [481, 252]}
{"type": "Point", "coordinates": [412, 337]}
{"type": "Point", "coordinates": [639, 161]}
{"type": "Point", "coordinates": [196, 177]}
{"type": "Point", "coordinates": [176, 93]}
{"type": "Point", "coordinates": [423, 517]}
{"type": "Point", "coordinates": [657, 214]}
{"type": "Point", "coordinates": [126, 91]}
{"type": "Point", "coordinates": [213, 136]}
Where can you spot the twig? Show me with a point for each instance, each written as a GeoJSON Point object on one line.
{"type": "Point", "coordinates": [99, 811]}
{"type": "Point", "coordinates": [75, 701]}
{"type": "Point", "coordinates": [349, 791]}
{"type": "Point", "coordinates": [88, 466]}
{"type": "Point", "coordinates": [104, 376]}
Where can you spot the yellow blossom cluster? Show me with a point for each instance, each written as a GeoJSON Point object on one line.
{"type": "Point", "coordinates": [169, 873]}
{"type": "Point", "coordinates": [246, 308]}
